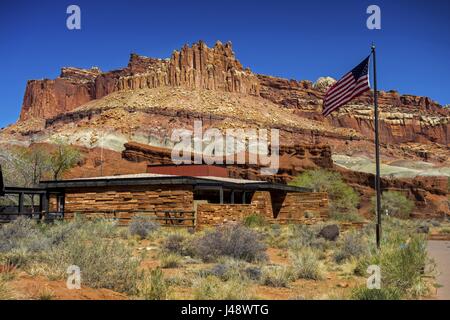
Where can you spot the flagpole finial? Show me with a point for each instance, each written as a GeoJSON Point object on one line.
{"type": "Point", "coordinates": [373, 46]}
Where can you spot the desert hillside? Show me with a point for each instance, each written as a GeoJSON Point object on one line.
{"type": "Point", "coordinates": [144, 101]}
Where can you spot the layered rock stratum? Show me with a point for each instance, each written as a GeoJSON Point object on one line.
{"type": "Point", "coordinates": [147, 99]}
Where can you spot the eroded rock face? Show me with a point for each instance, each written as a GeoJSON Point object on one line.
{"type": "Point", "coordinates": [293, 160]}
{"type": "Point", "coordinates": [196, 67]}
{"type": "Point", "coordinates": [324, 83]}
{"type": "Point", "coordinates": [403, 118]}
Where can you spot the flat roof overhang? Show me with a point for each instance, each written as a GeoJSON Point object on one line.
{"type": "Point", "coordinates": [172, 180]}
{"type": "Point", "coordinates": [16, 190]}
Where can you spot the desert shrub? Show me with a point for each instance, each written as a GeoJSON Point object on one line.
{"type": "Point", "coordinates": [404, 265]}
{"type": "Point", "coordinates": [306, 236]}
{"type": "Point", "coordinates": [48, 250]}
{"type": "Point", "coordinates": [353, 245]}
{"type": "Point", "coordinates": [306, 264]}
{"type": "Point", "coordinates": [228, 268]}
{"type": "Point", "coordinates": [104, 264]}
{"type": "Point", "coordinates": [45, 294]}
{"type": "Point", "coordinates": [236, 241]}
{"type": "Point", "coordinates": [253, 273]}
{"type": "Point", "coordinates": [342, 197]}
{"type": "Point", "coordinates": [102, 228]}
{"type": "Point", "coordinates": [254, 220]}
{"type": "Point", "coordinates": [395, 203]}
{"type": "Point", "coordinates": [435, 223]}
{"type": "Point", "coordinates": [178, 243]}
{"type": "Point", "coordinates": [402, 261]}
{"type": "Point", "coordinates": [351, 216]}
{"type": "Point", "coordinates": [5, 291]}
{"type": "Point", "coordinates": [364, 293]}
{"type": "Point", "coordinates": [445, 230]}
{"type": "Point", "coordinates": [170, 260]}
{"type": "Point", "coordinates": [212, 288]}
{"type": "Point", "coordinates": [142, 227]}
{"type": "Point", "coordinates": [277, 276]}
{"type": "Point", "coordinates": [153, 286]}
{"type": "Point", "coordinates": [180, 280]}
{"type": "Point", "coordinates": [17, 234]}
{"type": "Point", "coordinates": [277, 236]}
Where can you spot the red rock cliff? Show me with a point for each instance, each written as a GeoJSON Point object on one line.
{"type": "Point", "coordinates": [403, 118]}
{"type": "Point", "coordinates": [198, 67]}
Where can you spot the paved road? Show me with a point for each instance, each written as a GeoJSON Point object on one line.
{"type": "Point", "coordinates": [440, 252]}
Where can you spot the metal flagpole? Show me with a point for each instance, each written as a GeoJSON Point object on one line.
{"type": "Point", "coordinates": [377, 148]}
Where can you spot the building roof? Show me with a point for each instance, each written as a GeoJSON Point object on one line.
{"type": "Point", "coordinates": [163, 179]}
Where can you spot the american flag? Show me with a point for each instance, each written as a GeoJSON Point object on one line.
{"type": "Point", "coordinates": [353, 84]}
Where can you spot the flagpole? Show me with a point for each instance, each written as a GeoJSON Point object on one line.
{"type": "Point", "coordinates": [377, 149]}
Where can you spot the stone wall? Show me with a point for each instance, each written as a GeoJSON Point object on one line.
{"type": "Point", "coordinates": [122, 201]}
{"type": "Point", "coordinates": [216, 214]}
{"type": "Point", "coordinates": [310, 207]}
{"type": "Point", "coordinates": [96, 201]}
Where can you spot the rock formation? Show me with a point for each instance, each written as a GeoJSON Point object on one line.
{"type": "Point", "coordinates": [404, 118]}
{"type": "Point", "coordinates": [150, 97]}
{"type": "Point", "coordinates": [293, 160]}
{"type": "Point", "coordinates": [196, 67]}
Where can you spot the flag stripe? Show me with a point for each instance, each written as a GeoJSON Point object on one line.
{"type": "Point", "coordinates": [344, 91]}
{"type": "Point", "coordinates": [358, 90]}
{"type": "Point", "coordinates": [347, 77]}
{"type": "Point", "coordinates": [348, 94]}
{"type": "Point", "coordinates": [362, 90]}
{"type": "Point", "coordinates": [351, 85]}
{"type": "Point", "coordinates": [341, 88]}
{"type": "Point", "coordinates": [345, 98]}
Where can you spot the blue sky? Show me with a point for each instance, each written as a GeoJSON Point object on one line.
{"type": "Point", "coordinates": [292, 39]}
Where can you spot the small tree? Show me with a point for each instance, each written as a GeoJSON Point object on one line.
{"type": "Point", "coordinates": [25, 166]}
{"type": "Point", "coordinates": [63, 158]}
{"type": "Point", "coordinates": [343, 199]}
{"type": "Point", "coordinates": [395, 203]}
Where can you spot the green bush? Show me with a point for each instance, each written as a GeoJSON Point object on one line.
{"type": "Point", "coordinates": [170, 260]}
{"type": "Point", "coordinates": [343, 199]}
{"type": "Point", "coordinates": [402, 258]}
{"type": "Point", "coordinates": [254, 220]}
{"type": "Point", "coordinates": [353, 245]}
{"type": "Point", "coordinates": [104, 263]}
{"type": "Point", "coordinates": [233, 240]}
{"type": "Point", "coordinates": [5, 291]}
{"type": "Point", "coordinates": [153, 286]}
{"type": "Point", "coordinates": [306, 264]}
{"type": "Point", "coordinates": [395, 203]}
{"type": "Point", "coordinates": [48, 250]}
{"type": "Point", "coordinates": [363, 293]}
{"type": "Point", "coordinates": [227, 269]}
{"type": "Point", "coordinates": [306, 236]}
{"type": "Point", "coordinates": [277, 276]}
{"type": "Point", "coordinates": [142, 227]}
{"type": "Point", "coordinates": [404, 264]}
{"type": "Point", "coordinates": [212, 288]}
{"type": "Point", "coordinates": [178, 243]}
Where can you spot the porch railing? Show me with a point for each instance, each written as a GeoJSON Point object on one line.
{"type": "Point", "coordinates": [169, 218]}
{"type": "Point", "coordinates": [6, 217]}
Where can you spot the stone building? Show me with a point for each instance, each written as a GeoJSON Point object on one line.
{"type": "Point", "coordinates": [188, 195]}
